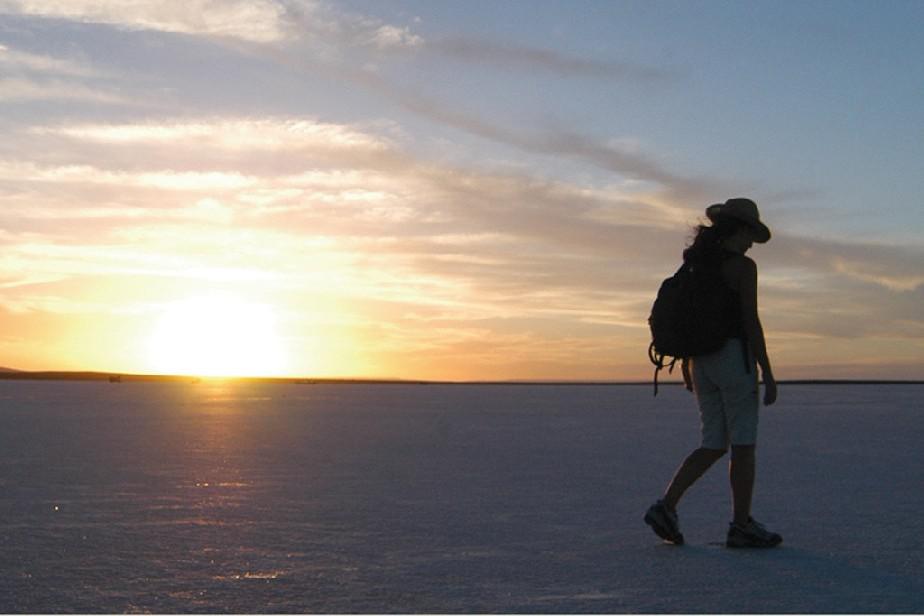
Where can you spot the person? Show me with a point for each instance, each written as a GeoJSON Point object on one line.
{"type": "Point", "coordinates": [726, 382]}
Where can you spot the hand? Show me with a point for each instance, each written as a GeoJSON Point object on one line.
{"type": "Point", "coordinates": [769, 390]}
{"type": "Point", "coordinates": [687, 378]}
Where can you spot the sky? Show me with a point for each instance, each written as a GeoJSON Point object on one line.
{"type": "Point", "coordinates": [450, 190]}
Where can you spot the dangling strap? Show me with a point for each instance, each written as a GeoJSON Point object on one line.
{"type": "Point", "coordinates": [658, 361]}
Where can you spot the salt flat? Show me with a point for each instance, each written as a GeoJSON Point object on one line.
{"type": "Point", "coordinates": [211, 497]}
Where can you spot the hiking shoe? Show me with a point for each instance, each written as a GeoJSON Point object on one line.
{"type": "Point", "coordinates": [663, 521]}
{"type": "Point", "coordinates": [752, 535]}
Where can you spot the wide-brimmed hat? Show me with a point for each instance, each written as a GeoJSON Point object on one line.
{"type": "Point", "coordinates": [744, 210]}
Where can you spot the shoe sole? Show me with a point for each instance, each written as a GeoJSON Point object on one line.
{"type": "Point", "coordinates": [663, 532]}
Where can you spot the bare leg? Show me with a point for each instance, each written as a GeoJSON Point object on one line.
{"type": "Point", "coordinates": [741, 472]}
{"type": "Point", "coordinates": [692, 469]}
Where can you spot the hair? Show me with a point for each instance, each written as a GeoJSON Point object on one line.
{"type": "Point", "coordinates": [707, 243]}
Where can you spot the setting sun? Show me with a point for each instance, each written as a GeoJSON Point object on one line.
{"type": "Point", "coordinates": [217, 336]}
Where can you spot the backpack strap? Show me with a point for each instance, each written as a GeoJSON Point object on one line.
{"type": "Point", "coordinates": [658, 360]}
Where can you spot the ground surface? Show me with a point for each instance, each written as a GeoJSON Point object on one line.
{"type": "Point", "coordinates": [170, 497]}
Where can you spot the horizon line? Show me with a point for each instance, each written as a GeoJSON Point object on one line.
{"type": "Point", "coordinates": [120, 377]}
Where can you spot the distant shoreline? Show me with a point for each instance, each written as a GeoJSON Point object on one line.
{"type": "Point", "coordinates": [114, 377]}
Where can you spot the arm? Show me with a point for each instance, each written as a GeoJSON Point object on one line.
{"type": "Point", "coordinates": [747, 288]}
{"type": "Point", "coordinates": [687, 377]}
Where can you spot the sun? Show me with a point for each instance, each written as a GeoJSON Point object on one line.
{"type": "Point", "coordinates": [217, 335]}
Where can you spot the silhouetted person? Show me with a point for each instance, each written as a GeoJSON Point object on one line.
{"type": "Point", "coordinates": [726, 382]}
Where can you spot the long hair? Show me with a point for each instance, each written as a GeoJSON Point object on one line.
{"type": "Point", "coordinates": [708, 239]}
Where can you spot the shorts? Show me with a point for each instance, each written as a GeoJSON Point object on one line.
{"type": "Point", "coordinates": [726, 391]}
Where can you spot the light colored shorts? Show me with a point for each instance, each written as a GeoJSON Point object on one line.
{"type": "Point", "coordinates": [726, 392]}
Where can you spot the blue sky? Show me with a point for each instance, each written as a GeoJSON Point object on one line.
{"type": "Point", "coordinates": [454, 189]}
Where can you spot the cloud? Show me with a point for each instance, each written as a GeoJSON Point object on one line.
{"type": "Point", "coordinates": [417, 213]}
{"type": "Point", "coordinates": [890, 267]}
{"type": "Point", "coordinates": [224, 134]}
{"type": "Point", "coordinates": [393, 37]}
{"type": "Point", "coordinates": [13, 59]}
{"type": "Point", "coordinates": [36, 77]}
{"type": "Point", "coordinates": [24, 90]}
{"type": "Point", "coordinates": [162, 180]}
{"type": "Point", "coordinates": [610, 155]}
{"type": "Point", "coordinates": [414, 213]}
{"type": "Point", "coordinates": [426, 255]}
{"type": "Point", "coordinates": [506, 55]}
{"type": "Point", "coordinates": [314, 24]}
{"type": "Point", "coordinates": [259, 21]}
{"type": "Point", "coordinates": [336, 31]}
{"type": "Point", "coordinates": [262, 22]}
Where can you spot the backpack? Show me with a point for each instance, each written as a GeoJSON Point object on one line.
{"type": "Point", "coordinates": [689, 317]}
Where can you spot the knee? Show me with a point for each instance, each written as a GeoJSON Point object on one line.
{"type": "Point", "coordinates": [714, 454]}
{"type": "Point", "coordinates": [743, 452]}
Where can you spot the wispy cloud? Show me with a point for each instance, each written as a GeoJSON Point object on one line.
{"type": "Point", "coordinates": [315, 23]}
{"type": "Point", "coordinates": [507, 55]}
{"type": "Point", "coordinates": [606, 154]}
{"type": "Point", "coordinates": [23, 90]}
{"type": "Point", "coordinates": [387, 36]}
{"type": "Point", "coordinates": [453, 245]}
{"type": "Point", "coordinates": [17, 60]}
{"type": "Point", "coordinates": [37, 77]}
{"type": "Point", "coordinates": [251, 20]}
{"type": "Point", "coordinates": [413, 215]}
{"type": "Point", "coordinates": [225, 134]}
{"type": "Point", "coordinates": [163, 180]}
{"type": "Point", "coordinates": [334, 31]}
{"type": "Point", "coordinates": [889, 267]}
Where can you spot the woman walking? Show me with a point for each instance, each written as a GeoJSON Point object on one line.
{"type": "Point", "coordinates": [726, 382]}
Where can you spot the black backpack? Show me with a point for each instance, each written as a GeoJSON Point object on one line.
{"type": "Point", "coordinates": [689, 317]}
